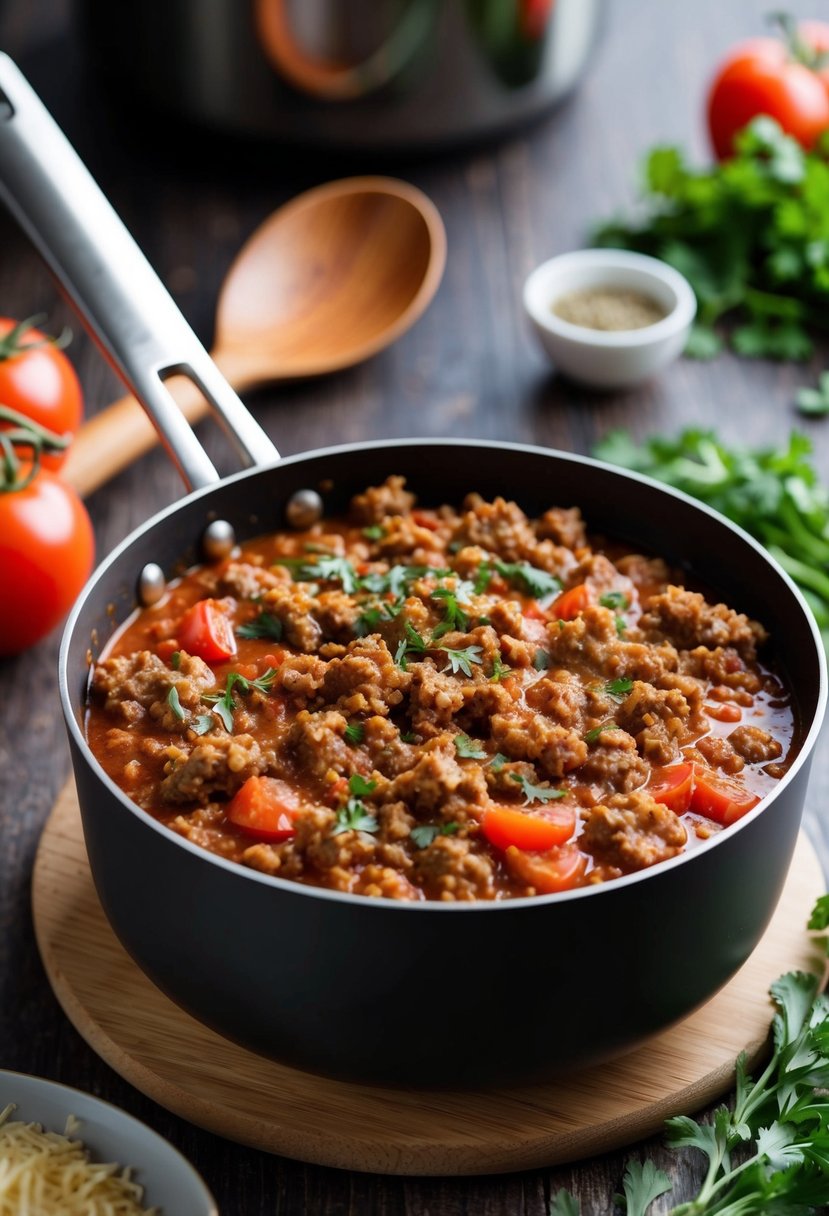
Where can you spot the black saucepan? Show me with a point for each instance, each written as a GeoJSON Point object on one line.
{"type": "Point", "coordinates": [429, 993]}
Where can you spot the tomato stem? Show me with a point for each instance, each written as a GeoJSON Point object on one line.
{"type": "Point", "coordinates": [12, 343]}
{"type": "Point", "coordinates": [31, 433]}
{"type": "Point", "coordinates": [799, 49]}
{"type": "Point", "coordinates": [24, 433]}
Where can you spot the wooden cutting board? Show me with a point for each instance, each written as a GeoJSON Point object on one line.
{"type": "Point", "coordinates": [195, 1073]}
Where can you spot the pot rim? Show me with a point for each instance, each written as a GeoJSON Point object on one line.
{"type": "Point", "coordinates": [424, 907]}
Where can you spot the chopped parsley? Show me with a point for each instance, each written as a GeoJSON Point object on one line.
{"type": "Point", "coordinates": [536, 793]}
{"type": "Point", "coordinates": [175, 660]}
{"type": "Point", "coordinates": [461, 660]}
{"type": "Point", "coordinates": [498, 761]}
{"type": "Point", "coordinates": [425, 833]}
{"type": "Point", "coordinates": [355, 816]}
{"type": "Point", "coordinates": [469, 749]}
{"type": "Point", "coordinates": [409, 737]}
{"type": "Point", "coordinates": [265, 625]}
{"type": "Point", "coordinates": [499, 669]}
{"type": "Point", "coordinates": [411, 643]}
{"type": "Point", "coordinates": [174, 702]}
{"type": "Point", "coordinates": [203, 724]}
{"type": "Point", "coordinates": [592, 735]}
{"type": "Point", "coordinates": [614, 599]}
{"type": "Point", "coordinates": [330, 569]}
{"type": "Point", "coordinates": [224, 702]}
{"type": "Point", "coordinates": [538, 583]}
{"type": "Point", "coordinates": [354, 733]}
{"type": "Point", "coordinates": [374, 532]}
{"type": "Point", "coordinates": [454, 617]}
{"type": "Point", "coordinates": [371, 617]}
{"type": "Point", "coordinates": [619, 687]}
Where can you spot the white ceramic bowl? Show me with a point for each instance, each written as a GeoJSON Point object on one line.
{"type": "Point", "coordinates": [610, 358]}
{"type": "Point", "coordinates": [170, 1183]}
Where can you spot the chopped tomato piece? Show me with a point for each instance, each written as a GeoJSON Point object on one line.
{"type": "Point", "coordinates": [534, 612]}
{"type": "Point", "coordinates": [426, 519]}
{"type": "Point", "coordinates": [572, 603]}
{"type": "Point", "coordinates": [206, 631]}
{"type": "Point", "coordinates": [264, 807]}
{"type": "Point", "coordinates": [673, 786]}
{"type": "Point", "coordinates": [719, 798]}
{"type": "Point", "coordinates": [557, 870]}
{"type": "Point", "coordinates": [504, 826]}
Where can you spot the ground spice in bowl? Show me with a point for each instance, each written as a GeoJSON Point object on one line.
{"type": "Point", "coordinates": [608, 309]}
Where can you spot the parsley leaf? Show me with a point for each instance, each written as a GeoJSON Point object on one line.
{"type": "Point", "coordinates": [174, 702]}
{"type": "Point", "coordinates": [499, 669]}
{"type": "Point", "coordinates": [361, 786]}
{"type": "Point", "coordinates": [619, 687]}
{"type": "Point", "coordinates": [374, 532]}
{"type": "Point", "coordinates": [536, 793]}
{"type": "Point", "coordinates": [225, 703]}
{"type": "Point", "coordinates": [642, 1184]}
{"type": "Point", "coordinates": [614, 599]}
{"type": "Point", "coordinates": [469, 749]}
{"type": "Point", "coordinates": [354, 733]}
{"type": "Point", "coordinates": [541, 660]}
{"type": "Point", "coordinates": [814, 401]}
{"type": "Point", "coordinates": [564, 1204]}
{"type": "Point", "coordinates": [203, 724]}
{"type": "Point", "coordinates": [411, 643]}
{"type": "Point", "coordinates": [537, 583]}
{"type": "Point", "coordinates": [355, 816]}
{"type": "Point", "coordinates": [265, 625]}
{"type": "Point", "coordinates": [425, 833]}
{"type": "Point", "coordinates": [498, 761]}
{"type": "Point", "coordinates": [454, 618]}
{"type": "Point", "coordinates": [327, 569]}
{"type": "Point", "coordinates": [592, 735]}
{"type": "Point", "coordinates": [460, 660]}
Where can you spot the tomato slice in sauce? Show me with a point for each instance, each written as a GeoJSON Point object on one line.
{"type": "Point", "coordinates": [673, 786]}
{"type": "Point", "coordinates": [264, 807]}
{"type": "Point", "coordinates": [506, 826]}
{"type": "Point", "coordinates": [558, 869]}
{"type": "Point", "coordinates": [205, 631]}
{"type": "Point", "coordinates": [571, 604]}
{"type": "Point", "coordinates": [719, 798]}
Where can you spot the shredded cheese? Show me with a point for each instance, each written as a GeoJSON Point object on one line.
{"type": "Point", "coordinates": [44, 1173]}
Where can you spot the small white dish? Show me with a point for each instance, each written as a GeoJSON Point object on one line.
{"type": "Point", "coordinates": [610, 358]}
{"type": "Point", "coordinates": [170, 1183]}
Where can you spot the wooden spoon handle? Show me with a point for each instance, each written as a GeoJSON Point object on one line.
{"type": "Point", "coordinates": [119, 434]}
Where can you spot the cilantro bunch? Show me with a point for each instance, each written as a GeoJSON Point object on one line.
{"type": "Point", "coordinates": [751, 235]}
{"type": "Point", "coordinates": [770, 1152]}
{"type": "Point", "coordinates": [774, 494]}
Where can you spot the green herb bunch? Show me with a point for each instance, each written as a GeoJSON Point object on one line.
{"type": "Point", "coordinates": [751, 235]}
{"type": "Point", "coordinates": [770, 1151]}
{"type": "Point", "coordinates": [774, 494]}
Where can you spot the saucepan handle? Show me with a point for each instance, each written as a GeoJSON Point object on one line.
{"type": "Point", "coordinates": [123, 303]}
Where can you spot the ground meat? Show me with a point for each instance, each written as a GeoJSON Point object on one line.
{"type": "Point", "coordinates": [378, 502]}
{"type": "Point", "coordinates": [247, 582]}
{"type": "Point", "coordinates": [439, 785]}
{"type": "Point", "coordinates": [385, 748]}
{"type": "Point", "coordinates": [448, 869]}
{"type": "Point", "coordinates": [614, 761]}
{"type": "Point", "coordinates": [719, 753]}
{"type": "Point", "coordinates": [522, 735]}
{"type": "Point", "coordinates": [336, 614]}
{"type": "Point", "coordinates": [632, 831]}
{"type": "Point", "coordinates": [300, 676]}
{"type": "Point", "coordinates": [316, 741]}
{"type": "Point", "coordinates": [500, 527]}
{"type": "Point", "coordinates": [218, 764]}
{"type": "Point", "coordinates": [294, 607]}
{"type": "Point", "coordinates": [435, 699]}
{"type": "Point", "coordinates": [724, 666]}
{"type": "Point", "coordinates": [689, 620]}
{"type": "Point", "coordinates": [565, 526]}
{"type": "Point", "coordinates": [591, 640]}
{"type": "Point", "coordinates": [404, 538]}
{"type": "Point", "coordinates": [560, 695]}
{"type": "Point", "coordinates": [365, 679]}
{"type": "Point", "coordinates": [134, 684]}
{"type": "Point", "coordinates": [658, 719]}
{"type": "Point", "coordinates": [649, 575]}
{"type": "Point", "coordinates": [755, 745]}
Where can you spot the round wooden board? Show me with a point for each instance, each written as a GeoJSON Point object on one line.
{"type": "Point", "coordinates": [219, 1086]}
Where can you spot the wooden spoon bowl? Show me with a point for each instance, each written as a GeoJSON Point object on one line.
{"type": "Point", "coordinates": [328, 280]}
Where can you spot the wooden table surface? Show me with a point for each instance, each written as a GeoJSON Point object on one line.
{"type": "Point", "coordinates": [468, 368]}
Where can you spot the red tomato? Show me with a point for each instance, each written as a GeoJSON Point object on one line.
{"type": "Point", "coordinates": [719, 798]}
{"type": "Point", "coordinates": [673, 786]}
{"type": "Point", "coordinates": [46, 552]}
{"type": "Point", "coordinates": [558, 870]}
{"type": "Point", "coordinates": [40, 383]}
{"type": "Point", "coordinates": [571, 604]}
{"type": "Point", "coordinates": [769, 76]}
{"type": "Point", "coordinates": [265, 808]}
{"type": "Point", "coordinates": [504, 826]}
{"type": "Point", "coordinates": [205, 631]}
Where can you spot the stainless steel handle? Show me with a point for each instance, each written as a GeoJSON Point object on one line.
{"type": "Point", "coordinates": [122, 301]}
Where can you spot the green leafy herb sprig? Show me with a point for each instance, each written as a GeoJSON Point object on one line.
{"type": "Point", "coordinates": [775, 494]}
{"type": "Point", "coordinates": [224, 702]}
{"type": "Point", "coordinates": [751, 235]}
{"type": "Point", "coordinates": [355, 816]}
{"type": "Point", "coordinates": [770, 1151]}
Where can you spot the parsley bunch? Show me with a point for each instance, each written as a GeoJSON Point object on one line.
{"type": "Point", "coordinates": [751, 235]}
{"type": "Point", "coordinates": [776, 495]}
{"type": "Point", "coordinates": [770, 1153]}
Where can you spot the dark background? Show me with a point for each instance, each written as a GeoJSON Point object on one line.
{"type": "Point", "coordinates": [469, 367]}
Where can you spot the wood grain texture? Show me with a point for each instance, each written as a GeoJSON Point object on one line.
{"type": "Point", "coordinates": [204, 1078]}
{"type": "Point", "coordinates": [469, 367]}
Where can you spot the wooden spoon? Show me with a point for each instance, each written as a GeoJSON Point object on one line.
{"type": "Point", "coordinates": [329, 279]}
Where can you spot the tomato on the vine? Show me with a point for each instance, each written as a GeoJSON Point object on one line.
{"type": "Point", "coordinates": [46, 555]}
{"type": "Point", "coordinates": [786, 78]}
{"type": "Point", "coordinates": [38, 381]}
